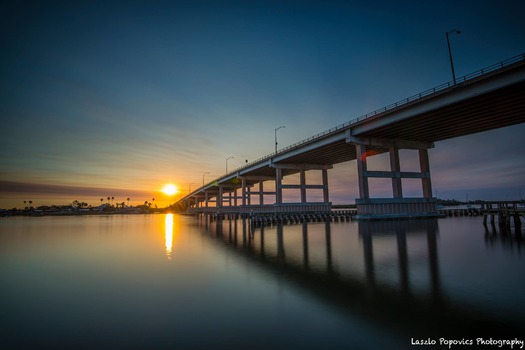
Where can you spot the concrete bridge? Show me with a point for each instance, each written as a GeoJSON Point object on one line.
{"type": "Point", "coordinates": [490, 98]}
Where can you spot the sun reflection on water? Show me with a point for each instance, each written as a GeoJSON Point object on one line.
{"type": "Point", "coordinates": [169, 234]}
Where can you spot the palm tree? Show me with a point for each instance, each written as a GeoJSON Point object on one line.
{"type": "Point", "coordinates": [30, 204]}
{"type": "Point", "coordinates": [112, 199]}
{"type": "Point", "coordinates": [109, 199]}
{"type": "Point", "coordinates": [128, 201]}
{"type": "Point", "coordinates": [101, 200]}
{"type": "Point", "coordinates": [25, 204]}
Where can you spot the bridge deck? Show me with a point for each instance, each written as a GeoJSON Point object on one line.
{"type": "Point", "coordinates": [488, 99]}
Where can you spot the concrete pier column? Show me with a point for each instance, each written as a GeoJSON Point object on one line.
{"type": "Point", "coordinates": [326, 198]}
{"type": "Point", "coordinates": [278, 186]}
{"type": "Point", "coordinates": [243, 191]}
{"type": "Point", "coordinates": [249, 195]}
{"type": "Point", "coordinates": [361, 172]}
{"type": "Point", "coordinates": [425, 169]}
{"type": "Point", "coordinates": [219, 198]}
{"type": "Point", "coordinates": [303, 185]}
{"type": "Point", "coordinates": [261, 192]}
{"type": "Point", "coordinates": [235, 196]}
{"type": "Point", "coordinates": [396, 169]}
{"type": "Point", "coordinates": [206, 198]}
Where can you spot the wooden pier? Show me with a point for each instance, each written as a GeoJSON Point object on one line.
{"type": "Point", "coordinates": [509, 214]}
{"type": "Point", "coordinates": [506, 212]}
{"type": "Point", "coordinates": [269, 219]}
{"type": "Point", "coordinates": [453, 211]}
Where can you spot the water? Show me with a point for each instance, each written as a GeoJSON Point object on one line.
{"type": "Point", "coordinates": [179, 282]}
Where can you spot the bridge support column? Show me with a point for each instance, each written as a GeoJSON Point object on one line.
{"type": "Point", "coordinates": [325, 186]}
{"type": "Point", "coordinates": [278, 186]}
{"type": "Point", "coordinates": [243, 191]}
{"type": "Point", "coordinates": [425, 170]}
{"type": "Point", "coordinates": [398, 206]}
{"type": "Point", "coordinates": [250, 181]}
{"type": "Point", "coordinates": [395, 167]}
{"type": "Point", "coordinates": [361, 172]}
{"type": "Point", "coordinates": [303, 205]}
{"type": "Point", "coordinates": [303, 185]}
{"type": "Point", "coordinates": [219, 197]}
{"type": "Point", "coordinates": [261, 192]}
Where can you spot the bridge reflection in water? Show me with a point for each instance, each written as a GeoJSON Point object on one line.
{"type": "Point", "coordinates": [355, 272]}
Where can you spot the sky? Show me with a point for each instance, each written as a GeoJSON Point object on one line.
{"type": "Point", "coordinates": [118, 98]}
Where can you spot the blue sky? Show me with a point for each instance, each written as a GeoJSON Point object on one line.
{"type": "Point", "coordinates": [131, 95]}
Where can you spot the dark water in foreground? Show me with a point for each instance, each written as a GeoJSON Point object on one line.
{"type": "Point", "coordinates": [157, 281]}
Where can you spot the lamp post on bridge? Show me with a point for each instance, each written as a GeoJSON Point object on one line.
{"type": "Point", "coordinates": [203, 177]}
{"type": "Point", "coordinates": [227, 163]}
{"type": "Point", "coordinates": [450, 53]}
{"type": "Point", "coordinates": [281, 127]}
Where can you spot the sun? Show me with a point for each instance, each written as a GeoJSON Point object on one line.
{"type": "Point", "coordinates": [170, 189]}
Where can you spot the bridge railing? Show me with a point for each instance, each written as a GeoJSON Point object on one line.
{"type": "Point", "coordinates": [424, 94]}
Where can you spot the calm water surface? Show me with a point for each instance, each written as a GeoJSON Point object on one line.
{"type": "Point", "coordinates": [179, 282]}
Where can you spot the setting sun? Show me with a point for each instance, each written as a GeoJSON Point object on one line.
{"type": "Point", "coordinates": [170, 189]}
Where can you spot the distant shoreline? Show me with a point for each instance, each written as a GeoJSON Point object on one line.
{"type": "Point", "coordinates": [37, 213]}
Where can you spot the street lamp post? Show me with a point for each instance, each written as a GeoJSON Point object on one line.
{"type": "Point", "coordinates": [203, 177]}
{"type": "Point", "coordinates": [450, 53]}
{"type": "Point", "coordinates": [227, 163]}
{"type": "Point", "coordinates": [282, 126]}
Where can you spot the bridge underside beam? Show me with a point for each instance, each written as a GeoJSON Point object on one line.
{"type": "Point", "coordinates": [397, 174]}
{"type": "Point", "coordinates": [302, 166]}
{"type": "Point", "coordinates": [319, 187]}
{"type": "Point", "coordinates": [257, 178]}
{"type": "Point", "coordinates": [387, 143]}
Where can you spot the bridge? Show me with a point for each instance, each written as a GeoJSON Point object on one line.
{"type": "Point", "coordinates": [487, 99]}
